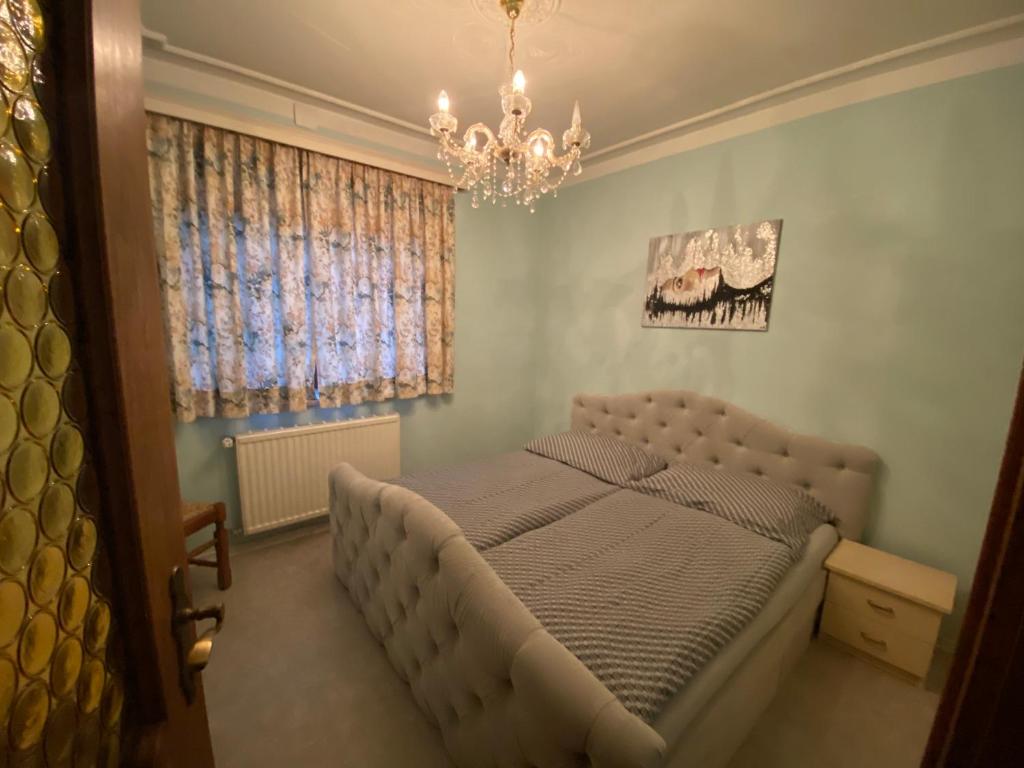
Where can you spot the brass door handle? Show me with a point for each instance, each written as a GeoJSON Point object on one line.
{"type": "Point", "coordinates": [193, 655]}
{"type": "Point", "coordinates": [199, 654]}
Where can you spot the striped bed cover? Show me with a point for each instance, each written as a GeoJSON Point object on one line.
{"type": "Point", "coordinates": [643, 584]}
{"type": "Point", "coordinates": [497, 499]}
{"type": "Point", "coordinates": [642, 590]}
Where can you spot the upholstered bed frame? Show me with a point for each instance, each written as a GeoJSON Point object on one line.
{"type": "Point", "coordinates": [686, 426]}
{"type": "Point", "coordinates": [501, 689]}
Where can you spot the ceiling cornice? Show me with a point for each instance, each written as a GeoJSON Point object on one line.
{"type": "Point", "coordinates": [195, 87]}
{"type": "Point", "coordinates": [198, 87]}
{"type": "Point", "coordinates": [939, 46]}
{"type": "Point", "coordinates": [159, 41]}
{"type": "Point", "coordinates": [972, 51]}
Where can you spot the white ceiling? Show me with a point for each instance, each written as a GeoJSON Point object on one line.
{"type": "Point", "coordinates": [635, 65]}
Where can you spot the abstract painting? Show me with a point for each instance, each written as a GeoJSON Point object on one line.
{"type": "Point", "coordinates": [713, 278]}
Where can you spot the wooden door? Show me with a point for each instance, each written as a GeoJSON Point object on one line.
{"type": "Point", "coordinates": [91, 529]}
{"type": "Point", "coordinates": [978, 722]}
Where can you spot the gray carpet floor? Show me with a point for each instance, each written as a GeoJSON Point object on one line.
{"type": "Point", "coordinates": [296, 679]}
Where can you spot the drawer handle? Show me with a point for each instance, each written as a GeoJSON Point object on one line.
{"type": "Point", "coordinates": [874, 641]}
{"type": "Point", "coordinates": [884, 609]}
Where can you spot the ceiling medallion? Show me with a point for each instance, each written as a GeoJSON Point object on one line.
{"type": "Point", "coordinates": [530, 14]}
{"type": "Point", "coordinates": [514, 164]}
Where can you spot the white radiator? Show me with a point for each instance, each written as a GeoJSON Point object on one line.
{"type": "Point", "coordinates": [282, 473]}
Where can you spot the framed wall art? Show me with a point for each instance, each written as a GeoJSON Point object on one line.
{"type": "Point", "coordinates": [713, 278]}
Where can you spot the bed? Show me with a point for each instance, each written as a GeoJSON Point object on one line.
{"type": "Point", "coordinates": [482, 666]}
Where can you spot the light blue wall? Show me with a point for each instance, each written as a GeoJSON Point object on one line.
{"type": "Point", "coordinates": [898, 317]}
{"type": "Point", "coordinates": [495, 350]}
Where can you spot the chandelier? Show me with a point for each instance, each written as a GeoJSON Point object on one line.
{"type": "Point", "coordinates": [514, 165]}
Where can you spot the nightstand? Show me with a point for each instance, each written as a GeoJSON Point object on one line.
{"type": "Point", "coordinates": [884, 608]}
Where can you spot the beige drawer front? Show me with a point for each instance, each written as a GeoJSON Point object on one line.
{"type": "Point", "coordinates": [870, 603]}
{"type": "Point", "coordinates": [877, 638]}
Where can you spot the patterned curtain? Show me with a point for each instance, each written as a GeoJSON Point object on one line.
{"type": "Point", "coordinates": [381, 265]}
{"type": "Point", "coordinates": [278, 264]}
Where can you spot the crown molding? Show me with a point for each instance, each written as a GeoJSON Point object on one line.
{"type": "Point", "coordinates": [968, 52]}
{"type": "Point", "coordinates": [192, 86]}
{"type": "Point", "coordinates": [156, 40]}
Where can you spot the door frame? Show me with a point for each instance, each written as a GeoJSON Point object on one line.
{"type": "Point", "coordinates": [978, 720]}
{"type": "Point", "coordinates": [109, 245]}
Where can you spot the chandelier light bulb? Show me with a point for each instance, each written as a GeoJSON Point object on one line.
{"type": "Point", "coordinates": [519, 82]}
{"type": "Point", "coordinates": [511, 163]}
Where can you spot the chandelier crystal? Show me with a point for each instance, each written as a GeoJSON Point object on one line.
{"type": "Point", "coordinates": [514, 165]}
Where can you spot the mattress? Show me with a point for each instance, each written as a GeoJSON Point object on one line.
{"type": "Point", "coordinates": [644, 591]}
{"type": "Point", "coordinates": [497, 499]}
{"type": "Point", "coordinates": [687, 703]}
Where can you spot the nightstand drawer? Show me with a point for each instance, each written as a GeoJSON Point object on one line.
{"type": "Point", "coordinates": [869, 603]}
{"type": "Point", "coordinates": [878, 639]}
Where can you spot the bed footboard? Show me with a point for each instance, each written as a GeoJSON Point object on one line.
{"type": "Point", "coordinates": [501, 689]}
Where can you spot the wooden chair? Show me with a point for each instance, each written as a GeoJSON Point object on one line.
{"type": "Point", "coordinates": [195, 516]}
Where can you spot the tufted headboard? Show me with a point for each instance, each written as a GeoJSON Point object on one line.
{"type": "Point", "coordinates": [679, 425]}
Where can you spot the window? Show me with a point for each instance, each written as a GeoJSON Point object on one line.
{"type": "Point", "coordinates": [285, 271]}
